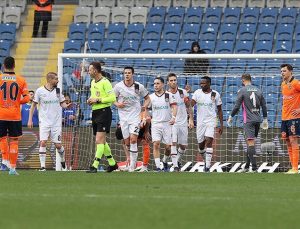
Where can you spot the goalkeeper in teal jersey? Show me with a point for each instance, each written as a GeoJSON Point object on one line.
{"type": "Point", "coordinates": [102, 97]}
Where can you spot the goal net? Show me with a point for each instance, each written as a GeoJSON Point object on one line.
{"type": "Point", "coordinates": [225, 71]}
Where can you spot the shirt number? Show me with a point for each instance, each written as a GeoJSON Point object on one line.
{"type": "Point", "coordinates": [10, 91]}
{"type": "Point", "coordinates": [252, 96]}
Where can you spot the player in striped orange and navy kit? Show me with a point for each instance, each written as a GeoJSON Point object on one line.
{"type": "Point", "coordinates": [290, 126]}
{"type": "Point", "coordinates": [251, 99]}
{"type": "Point", "coordinates": [13, 93]}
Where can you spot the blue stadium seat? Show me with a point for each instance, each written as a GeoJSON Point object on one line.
{"type": "Point", "coordinates": [123, 62]}
{"type": "Point", "coordinates": [247, 32]}
{"type": "Point", "coordinates": [288, 16]}
{"type": "Point", "coordinates": [285, 32]}
{"type": "Point", "coordinates": [209, 32]}
{"type": "Point", "coordinates": [272, 65]}
{"type": "Point", "coordinates": [297, 32]}
{"type": "Point", "coordinates": [263, 47]}
{"type": "Point", "coordinates": [149, 46]}
{"type": "Point", "coordinates": [134, 31]}
{"type": "Point", "coordinates": [162, 64]}
{"type": "Point", "coordinates": [5, 46]}
{"type": "Point", "coordinates": [213, 15]}
{"type": "Point", "coordinates": [250, 15]}
{"type": "Point", "coordinates": [294, 62]}
{"type": "Point", "coordinates": [8, 32]}
{"type": "Point", "coordinates": [190, 32]}
{"type": "Point", "coordinates": [217, 81]}
{"type": "Point", "coordinates": [181, 81]}
{"type": "Point", "coordinates": [266, 32]}
{"type": "Point", "coordinates": [283, 46]}
{"type": "Point", "coordinates": [130, 46]}
{"type": "Point", "coordinates": [111, 46]}
{"type": "Point", "coordinates": [268, 15]}
{"type": "Point", "coordinates": [116, 31]}
{"type": "Point", "coordinates": [193, 15]}
{"type": "Point", "coordinates": [141, 78]}
{"type": "Point", "coordinates": [243, 46]}
{"type": "Point", "coordinates": [256, 66]}
{"type": "Point", "coordinates": [177, 65]}
{"type": "Point", "coordinates": [153, 32]}
{"type": "Point", "coordinates": [232, 15]}
{"type": "Point", "coordinates": [157, 15]}
{"type": "Point", "coordinates": [228, 32]}
{"type": "Point", "coordinates": [72, 46]}
{"type": "Point", "coordinates": [257, 81]}
{"type": "Point", "coordinates": [167, 46]}
{"type": "Point", "coordinates": [237, 66]}
{"type": "Point", "coordinates": [224, 46]}
{"type": "Point", "coordinates": [184, 46]}
{"type": "Point", "coordinates": [208, 46]}
{"type": "Point", "coordinates": [171, 32]}
{"type": "Point", "coordinates": [194, 82]}
{"type": "Point", "coordinates": [94, 46]}
{"type": "Point", "coordinates": [273, 81]}
{"type": "Point", "coordinates": [218, 65]}
{"type": "Point", "coordinates": [77, 32]}
{"type": "Point", "coordinates": [175, 15]}
{"type": "Point", "coordinates": [96, 31]}
{"type": "Point", "coordinates": [233, 82]}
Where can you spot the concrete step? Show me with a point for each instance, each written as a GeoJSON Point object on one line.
{"type": "Point", "coordinates": [34, 68]}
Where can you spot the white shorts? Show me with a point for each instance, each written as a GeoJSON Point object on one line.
{"type": "Point", "coordinates": [205, 130]}
{"type": "Point", "coordinates": [180, 134]}
{"type": "Point", "coordinates": [161, 132]}
{"type": "Point", "coordinates": [53, 132]}
{"type": "Point", "coordinates": [132, 128]}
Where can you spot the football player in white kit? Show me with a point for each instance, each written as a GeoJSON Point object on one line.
{"type": "Point", "coordinates": [51, 101]}
{"type": "Point", "coordinates": [129, 94]}
{"type": "Point", "coordinates": [184, 118]}
{"type": "Point", "coordinates": [207, 101]}
{"type": "Point", "coordinates": [164, 110]}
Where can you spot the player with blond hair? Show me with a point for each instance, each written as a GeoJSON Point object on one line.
{"type": "Point", "coordinates": [51, 102]}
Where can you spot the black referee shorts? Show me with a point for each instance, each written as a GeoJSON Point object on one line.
{"type": "Point", "coordinates": [101, 120]}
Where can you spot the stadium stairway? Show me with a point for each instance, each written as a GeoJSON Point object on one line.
{"type": "Point", "coordinates": [37, 56]}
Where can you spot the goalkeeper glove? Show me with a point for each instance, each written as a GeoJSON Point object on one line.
{"type": "Point", "coordinates": [265, 124]}
{"type": "Point", "coordinates": [229, 121]}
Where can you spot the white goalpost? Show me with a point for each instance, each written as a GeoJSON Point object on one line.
{"type": "Point", "coordinates": [225, 71]}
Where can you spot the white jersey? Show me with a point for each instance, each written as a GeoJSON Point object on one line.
{"type": "Point", "coordinates": [206, 106]}
{"type": "Point", "coordinates": [181, 117]}
{"type": "Point", "coordinates": [161, 107]}
{"type": "Point", "coordinates": [50, 111]}
{"type": "Point", "coordinates": [131, 96]}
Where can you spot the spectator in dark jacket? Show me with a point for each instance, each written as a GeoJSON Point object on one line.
{"type": "Point", "coordinates": [42, 12]}
{"type": "Point", "coordinates": [195, 65]}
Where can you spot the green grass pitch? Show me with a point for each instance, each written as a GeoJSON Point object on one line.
{"type": "Point", "coordinates": [148, 200]}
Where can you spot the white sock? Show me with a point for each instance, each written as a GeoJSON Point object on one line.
{"type": "Point", "coordinates": [43, 159]}
{"type": "Point", "coordinates": [157, 162]}
{"type": "Point", "coordinates": [180, 154]}
{"type": "Point", "coordinates": [174, 156]}
{"type": "Point", "coordinates": [61, 153]}
{"type": "Point", "coordinates": [42, 154]}
{"type": "Point", "coordinates": [208, 156]}
{"type": "Point", "coordinates": [5, 162]}
{"type": "Point", "coordinates": [133, 155]}
{"type": "Point", "coordinates": [165, 159]}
